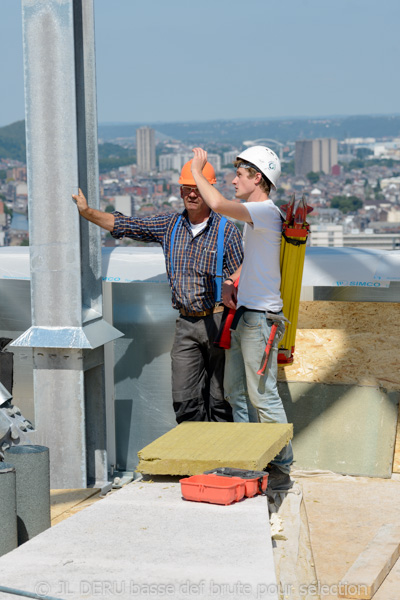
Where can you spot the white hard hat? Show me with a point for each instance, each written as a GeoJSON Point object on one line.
{"type": "Point", "coordinates": [265, 160]}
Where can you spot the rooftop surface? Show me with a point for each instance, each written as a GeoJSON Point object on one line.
{"type": "Point", "coordinates": [144, 540]}
{"type": "Point", "coordinates": [145, 535]}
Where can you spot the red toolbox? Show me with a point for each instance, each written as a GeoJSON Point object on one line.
{"type": "Point", "coordinates": [216, 489]}
{"type": "Point", "coordinates": [255, 481]}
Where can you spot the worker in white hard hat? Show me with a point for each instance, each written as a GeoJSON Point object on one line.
{"type": "Point", "coordinates": [254, 398]}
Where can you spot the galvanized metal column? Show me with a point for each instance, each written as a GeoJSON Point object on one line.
{"type": "Point", "coordinates": [85, 74]}
{"type": "Point", "coordinates": [67, 324]}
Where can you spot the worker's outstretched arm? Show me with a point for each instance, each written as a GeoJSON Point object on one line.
{"type": "Point", "coordinates": [211, 196]}
{"type": "Point", "coordinates": [100, 218]}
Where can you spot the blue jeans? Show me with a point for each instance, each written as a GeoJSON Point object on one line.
{"type": "Point", "coordinates": [255, 398]}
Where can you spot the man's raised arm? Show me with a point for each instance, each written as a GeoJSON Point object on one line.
{"type": "Point", "coordinates": [211, 196]}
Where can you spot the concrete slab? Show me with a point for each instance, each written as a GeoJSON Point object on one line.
{"type": "Point", "coordinates": [144, 540]}
{"type": "Point", "coordinates": [192, 448]}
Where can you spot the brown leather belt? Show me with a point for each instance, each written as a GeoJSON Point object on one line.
{"type": "Point", "coordinates": [203, 313]}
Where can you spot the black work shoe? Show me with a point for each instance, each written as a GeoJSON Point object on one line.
{"type": "Point", "coordinates": [278, 481]}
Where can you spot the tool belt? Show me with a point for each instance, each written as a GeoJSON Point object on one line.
{"type": "Point", "coordinates": [243, 309]}
{"type": "Point", "coordinates": [203, 313]}
{"type": "Point", "coordinates": [229, 322]}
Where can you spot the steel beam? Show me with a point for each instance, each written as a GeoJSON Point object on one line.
{"type": "Point", "coordinates": [65, 257]}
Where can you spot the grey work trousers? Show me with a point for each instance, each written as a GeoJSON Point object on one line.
{"type": "Point", "coordinates": [198, 371]}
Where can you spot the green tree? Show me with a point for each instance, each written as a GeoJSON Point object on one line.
{"type": "Point", "coordinates": [24, 242]}
{"type": "Point", "coordinates": [357, 163]}
{"type": "Point", "coordinates": [313, 177]}
{"type": "Point", "coordinates": [363, 152]}
{"type": "Point", "coordinates": [346, 204]}
{"type": "Point", "coordinates": [107, 164]}
{"type": "Point", "coordinates": [288, 168]}
{"type": "Point", "coordinates": [8, 210]}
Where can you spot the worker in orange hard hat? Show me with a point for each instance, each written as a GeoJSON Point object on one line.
{"type": "Point", "coordinates": [201, 249]}
{"type": "Point", "coordinates": [186, 176]}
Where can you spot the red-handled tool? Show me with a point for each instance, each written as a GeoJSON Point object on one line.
{"type": "Point", "coordinates": [278, 322]}
{"type": "Point", "coordinates": [223, 339]}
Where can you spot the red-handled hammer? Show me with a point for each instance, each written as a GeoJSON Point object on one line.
{"type": "Point", "coordinates": [279, 322]}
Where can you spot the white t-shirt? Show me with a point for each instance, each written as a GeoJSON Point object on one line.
{"type": "Point", "coordinates": [198, 228]}
{"type": "Point", "coordinates": [260, 279]}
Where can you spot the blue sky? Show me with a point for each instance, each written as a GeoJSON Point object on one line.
{"type": "Point", "coordinates": [184, 60]}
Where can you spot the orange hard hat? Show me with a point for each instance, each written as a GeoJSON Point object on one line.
{"type": "Point", "coordinates": [186, 177]}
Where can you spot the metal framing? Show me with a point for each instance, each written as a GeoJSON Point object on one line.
{"type": "Point", "coordinates": [68, 331]}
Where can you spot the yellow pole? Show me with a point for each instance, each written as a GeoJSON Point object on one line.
{"type": "Point", "coordinates": [292, 263]}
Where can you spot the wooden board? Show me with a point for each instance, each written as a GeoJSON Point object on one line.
{"type": "Point", "coordinates": [192, 447]}
{"type": "Point", "coordinates": [372, 566]}
{"type": "Point", "coordinates": [396, 459]}
{"type": "Point", "coordinates": [64, 503]}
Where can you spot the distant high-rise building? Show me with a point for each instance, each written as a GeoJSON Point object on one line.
{"type": "Point", "coordinates": [125, 205]}
{"type": "Point", "coordinates": [174, 162]}
{"type": "Point", "coordinates": [315, 155]}
{"type": "Point", "coordinates": [215, 161]}
{"type": "Point", "coordinates": [146, 149]}
{"type": "Point", "coordinates": [230, 157]}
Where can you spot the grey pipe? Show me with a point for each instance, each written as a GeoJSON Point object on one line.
{"type": "Point", "coordinates": [8, 509]}
{"type": "Point", "coordinates": [33, 489]}
{"type": "Point", "coordinates": [15, 592]}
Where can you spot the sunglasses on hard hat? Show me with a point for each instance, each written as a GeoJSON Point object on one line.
{"type": "Point", "coordinates": [188, 189]}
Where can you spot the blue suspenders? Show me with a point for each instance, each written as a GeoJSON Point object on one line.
{"type": "Point", "coordinates": [220, 256]}
{"type": "Point", "coordinates": [220, 259]}
{"type": "Point", "coordinates": [171, 248]}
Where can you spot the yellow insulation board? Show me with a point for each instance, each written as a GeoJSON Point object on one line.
{"type": "Point", "coordinates": [194, 447]}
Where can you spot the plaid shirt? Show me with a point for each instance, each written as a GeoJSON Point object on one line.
{"type": "Point", "coordinates": [194, 258]}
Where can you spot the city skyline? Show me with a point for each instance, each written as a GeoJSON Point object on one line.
{"type": "Point", "coordinates": [299, 58]}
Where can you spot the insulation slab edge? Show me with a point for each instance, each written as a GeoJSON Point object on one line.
{"type": "Point", "coordinates": [194, 447]}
